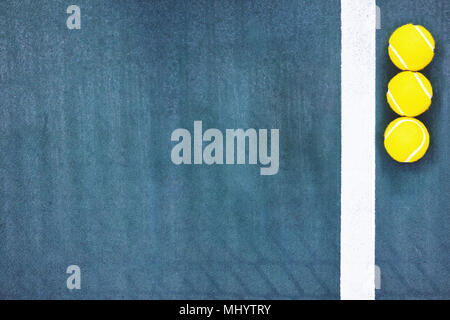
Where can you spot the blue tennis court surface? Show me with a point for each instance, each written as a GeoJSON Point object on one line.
{"type": "Point", "coordinates": [87, 135]}
{"type": "Point", "coordinates": [412, 202]}
{"type": "Point", "coordinates": [88, 178]}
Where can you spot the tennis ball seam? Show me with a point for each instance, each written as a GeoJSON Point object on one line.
{"type": "Point", "coordinates": [422, 85]}
{"type": "Point", "coordinates": [395, 103]}
{"type": "Point", "coordinates": [424, 37]}
{"type": "Point", "coordinates": [408, 159]}
{"type": "Point", "coordinates": [398, 56]}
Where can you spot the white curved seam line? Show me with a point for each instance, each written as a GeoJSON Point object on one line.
{"type": "Point", "coordinates": [421, 145]}
{"type": "Point", "coordinates": [423, 87]}
{"type": "Point", "coordinates": [398, 56]}
{"type": "Point", "coordinates": [423, 140]}
{"type": "Point", "coordinates": [424, 38]}
{"type": "Point", "coordinates": [396, 104]}
{"type": "Point", "coordinates": [393, 128]}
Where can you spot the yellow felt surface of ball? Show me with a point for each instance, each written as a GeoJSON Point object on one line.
{"type": "Point", "coordinates": [406, 139]}
{"type": "Point", "coordinates": [411, 47]}
{"type": "Point", "coordinates": [409, 93]}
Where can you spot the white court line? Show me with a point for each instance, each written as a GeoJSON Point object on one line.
{"type": "Point", "coordinates": [358, 22]}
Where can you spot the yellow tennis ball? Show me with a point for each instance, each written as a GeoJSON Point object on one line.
{"type": "Point", "coordinates": [409, 93]}
{"type": "Point", "coordinates": [406, 139]}
{"type": "Point", "coordinates": [411, 47]}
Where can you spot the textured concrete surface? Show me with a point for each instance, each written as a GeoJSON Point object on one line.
{"type": "Point", "coordinates": [86, 119]}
